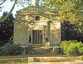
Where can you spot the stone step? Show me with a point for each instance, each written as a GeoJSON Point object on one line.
{"type": "Point", "coordinates": [52, 59]}
{"type": "Point", "coordinates": [55, 62]}
{"type": "Point", "coordinates": [58, 60]}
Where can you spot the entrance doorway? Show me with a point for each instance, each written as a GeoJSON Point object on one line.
{"type": "Point", "coordinates": [37, 36]}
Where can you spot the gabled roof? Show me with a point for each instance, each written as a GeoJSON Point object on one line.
{"type": "Point", "coordinates": [32, 10]}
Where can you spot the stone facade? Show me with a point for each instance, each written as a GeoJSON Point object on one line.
{"type": "Point", "coordinates": [37, 27]}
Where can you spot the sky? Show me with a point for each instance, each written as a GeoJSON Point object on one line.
{"type": "Point", "coordinates": [8, 5]}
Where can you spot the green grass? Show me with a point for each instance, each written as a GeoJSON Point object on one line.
{"type": "Point", "coordinates": [13, 59]}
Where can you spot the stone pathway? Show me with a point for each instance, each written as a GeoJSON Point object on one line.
{"type": "Point", "coordinates": [56, 60]}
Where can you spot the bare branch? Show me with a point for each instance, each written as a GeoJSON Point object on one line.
{"type": "Point", "coordinates": [9, 12]}
{"type": "Point", "coordinates": [2, 2]}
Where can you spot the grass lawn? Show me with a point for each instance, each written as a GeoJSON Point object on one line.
{"type": "Point", "coordinates": [13, 59]}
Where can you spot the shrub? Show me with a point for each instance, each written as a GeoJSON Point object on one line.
{"type": "Point", "coordinates": [72, 47]}
{"type": "Point", "coordinates": [10, 49]}
{"type": "Point", "coordinates": [81, 58]}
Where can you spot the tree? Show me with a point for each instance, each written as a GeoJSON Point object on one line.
{"type": "Point", "coordinates": [69, 32]}
{"type": "Point", "coordinates": [9, 19]}
{"type": "Point", "coordinates": [72, 11]}
{"type": "Point", "coordinates": [21, 2]}
{"type": "Point", "coordinates": [3, 19]}
{"type": "Point", "coordinates": [68, 10]}
{"type": "Point", "coordinates": [6, 29]}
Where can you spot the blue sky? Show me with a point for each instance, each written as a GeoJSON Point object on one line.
{"type": "Point", "coordinates": [8, 5]}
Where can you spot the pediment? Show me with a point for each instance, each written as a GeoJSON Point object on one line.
{"type": "Point", "coordinates": [32, 11]}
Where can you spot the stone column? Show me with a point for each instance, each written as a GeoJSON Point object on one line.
{"type": "Point", "coordinates": [43, 35]}
{"type": "Point", "coordinates": [31, 36]}
{"type": "Point", "coordinates": [48, 32]}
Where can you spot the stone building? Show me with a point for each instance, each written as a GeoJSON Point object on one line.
{"type": "Point", "coordinates": [37, 26]}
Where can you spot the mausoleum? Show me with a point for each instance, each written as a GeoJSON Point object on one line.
{"type": "Point", "coordinates": [37, 26]}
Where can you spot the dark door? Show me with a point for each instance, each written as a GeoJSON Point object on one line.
{"type": "Point", "coordinates": [37, 36]}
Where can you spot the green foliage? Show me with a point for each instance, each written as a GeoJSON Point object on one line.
{"type": "Point", "coordinates": [10, 49]}
{"type": "Point", "coordinates": [9, 19]}
{"type": "Point", "coordinates": [72, 47]}
{"type": "Point", "coordinates": [15, 60]}
{"type": "Point", "coordinates": [68, 10]}
{"type": "Point", "coordinates": [81, 58]}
